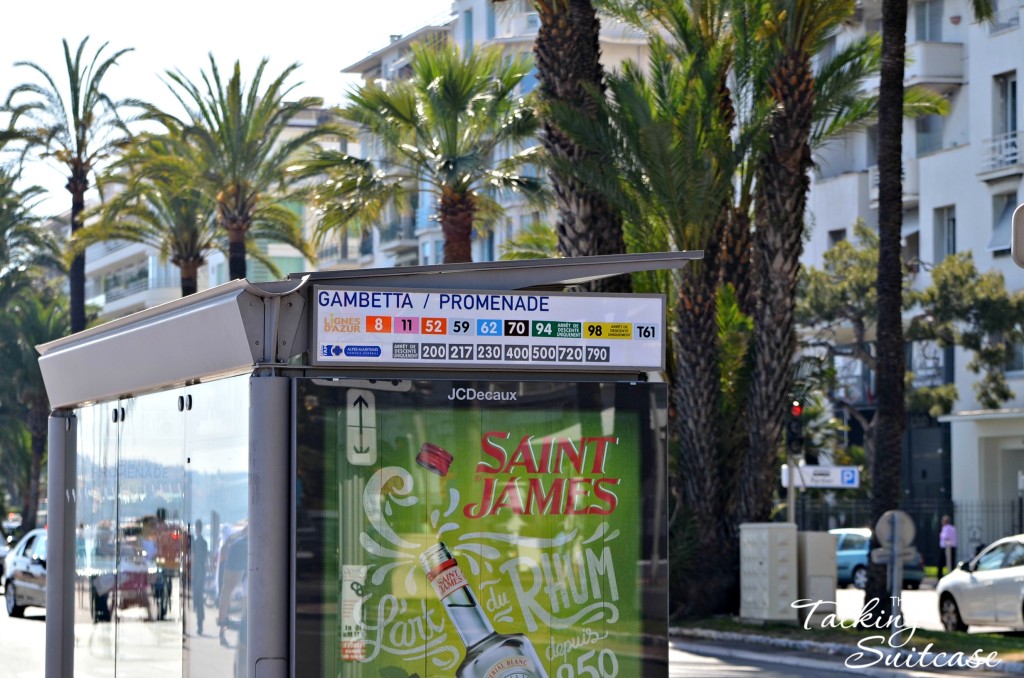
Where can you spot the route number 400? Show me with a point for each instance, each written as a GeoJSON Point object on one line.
{"type": "Point", "coordinates": [605, 666]}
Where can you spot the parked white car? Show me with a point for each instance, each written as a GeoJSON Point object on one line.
{"type": "Point", "coordinates": [988, 590]}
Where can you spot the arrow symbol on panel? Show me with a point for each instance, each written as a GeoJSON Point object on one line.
{"type": "Point", "coordinates": [361, 403]}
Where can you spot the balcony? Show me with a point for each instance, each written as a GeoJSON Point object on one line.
{"type": "Point", "coordinates": [939, 65]}
{"type": "Point", "coordinates": [397, 241]}
{"type": "Point", "coordinates": [1001, 157]}
{"type": "Point", "coordinates": [911, 184]}
{"type": "Point", "coordinates": [1006, 19]}
{"type": "Point", "coordinates": [518, 26]}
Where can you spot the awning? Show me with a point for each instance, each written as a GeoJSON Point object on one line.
{"type": "Point", "coordinates": [1002, 233]}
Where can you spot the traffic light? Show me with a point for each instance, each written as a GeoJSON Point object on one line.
{"type": "Point", "coordinates": [795, 429]}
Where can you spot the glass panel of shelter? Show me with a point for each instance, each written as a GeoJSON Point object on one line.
{"type": "Point", "coordinates": [148, 468]}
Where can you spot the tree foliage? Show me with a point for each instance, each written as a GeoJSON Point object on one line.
{"type": "Point", "coordinates": [456, 131]}
{"type": "Point", "coordinates": [77, 127]}
{"type": "Point", "coordinates": [960, 307]}
{"type": "Point", "coordinates": [244, 152]}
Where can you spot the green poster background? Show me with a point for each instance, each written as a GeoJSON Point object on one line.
{"type": "Point", "coordinates": [541, 508]}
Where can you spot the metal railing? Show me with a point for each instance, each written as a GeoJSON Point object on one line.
{"type": "Point", "coordinates": [1001, 151]}
{"type": "Point", "coordinates": [1005, 19]}
{"type": "Point", "coordinates": [131, 288]}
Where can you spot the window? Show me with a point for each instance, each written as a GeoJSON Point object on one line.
{"type": "Point", "coordinates": [467, 29]}
{"type": "Point", "coordinates": [835, 237]}
{"type": "Point", "coordinates": [872, 149]}
{"type": "Point", "coordinates": [928, 21]}
{"type": "Point", "coordinates": [855, 542]}
{"type": "Point", "coordinates": [529, 82]}
{"type": "Point", "coordinates": [1005, 105]}
{"type": "Point", "coordinates": [993, 558]}
{"type": "Point", "coordinates": [929, 133]}
{"type": "Point", "coordinates": [927, 363]}
{"type": "Point", "coordinates": [1015, 358]}
{"type": "Point", "coordinates": [491, 31]}
{"type": "Point", "coordinates": [945, 232]}
{"type": "Point", "coordinates": [1016, 557]}
{"type": "Point", "coordinates": [1003, 205]}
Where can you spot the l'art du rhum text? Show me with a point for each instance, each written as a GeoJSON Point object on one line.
{"type": "Point", "coordinates": [489, 654]}
{"type": "Point", "coordinates": [552, 475]}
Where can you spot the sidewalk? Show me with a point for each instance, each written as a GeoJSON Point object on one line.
{"type": "Point", "coordinates": [811, 654]}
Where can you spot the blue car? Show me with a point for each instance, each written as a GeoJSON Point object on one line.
{"type": "Point", "coordinates": [852, 548]}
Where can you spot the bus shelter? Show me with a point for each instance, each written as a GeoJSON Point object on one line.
{"type": "Point", "coordinates": [432, 471]}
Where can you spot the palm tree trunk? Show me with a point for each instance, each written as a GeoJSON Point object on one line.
{"type": "Point", "coordinates": [891, 360]}
{"type": "Point", "coordinates": [236, 253]}
{"type": "Point", "coordinates": [735, 260]}
{"type": "Point", "coordinates": [695, 394]}
{"type": "Point", "coordinates": [189, 276]}
{"type": "Point", "coordinates": [783, 183]}
{"type": "Point", "coordinates": [38, 429]}
{"type": "Point", "coordinates": [456, 212]}
{"type": "Point", "coordinates": [568, 63]}
{"type": "Point", "coordinates": [77, 184]}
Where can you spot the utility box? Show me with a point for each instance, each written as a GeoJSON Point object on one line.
{"type": "Point", "coordinates": [816, 554]}
{"type": "Point", "coordinates": [768, 572]}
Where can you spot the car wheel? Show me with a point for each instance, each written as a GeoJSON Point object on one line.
{"type": "Point", "coordinates": [949, 613]}
{"type": "Point", "coordinates": [860, 577]}
{"type": "Point", "coordinates": [13, 609]}
{"type": "Point", "coordinates": [911, 585]}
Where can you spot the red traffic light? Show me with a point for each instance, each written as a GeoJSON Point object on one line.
{"type": "Point", "coordinates": [796, 409]}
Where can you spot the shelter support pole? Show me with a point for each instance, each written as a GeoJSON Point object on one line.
{"type": "Point", "coordinates": [60, 544]}
{"type": "Point", "coordinates": [269, 619]}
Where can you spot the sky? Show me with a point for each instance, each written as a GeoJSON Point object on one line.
{"type": "Point", "coordinates": [322, 36]}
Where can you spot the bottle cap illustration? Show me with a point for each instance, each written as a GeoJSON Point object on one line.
{"type": "Point", "coordinates": [434, 458]}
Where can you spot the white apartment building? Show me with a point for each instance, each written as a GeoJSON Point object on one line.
{"type": "Point", "coordinates": [961, 181]}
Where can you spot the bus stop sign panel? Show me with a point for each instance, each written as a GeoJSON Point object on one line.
{"type": "Point", "coordinates": [488, 330]}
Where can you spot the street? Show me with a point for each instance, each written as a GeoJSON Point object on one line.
{"type": "Point", "coordinates": [22, 644]}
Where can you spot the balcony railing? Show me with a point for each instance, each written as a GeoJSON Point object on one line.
{"type": "Point", "coordinates": [1005, 19]}
{"type": "Point", "coordinates": [911, 183]}
{"type": "Point", "coordinates": [1002, 151]}
{"type": "Point", "coordinates": [134, 287]}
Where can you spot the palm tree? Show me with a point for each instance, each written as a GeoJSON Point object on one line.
{"type": "Point", "coordinates": [159, 204]}
{"type": "Point", "coordinates": [245, 155]}
{"type": "Point", "coordinates": [667, 163]}
{"type": "Point", "coordinates": [455, 131]}
{"type": "Point", "coordinates": [890, 356]}
{"type": "Point", "coordinates": [794, 31]}
{"type": "Point", "coordinates": [568, 52]}
{"type": "Point", "coordinates": [33, 317]}
{"type": "Point", "coordinates": [23, 244]}
{"type": "Point", "coordinates": [79, 129]}
{"type": "Point", "coordinates": [721, 42]}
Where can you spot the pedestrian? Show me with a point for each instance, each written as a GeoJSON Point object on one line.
{"type": "Point", "coordinates": [947, 545]}
{"type": "Point", "coordinates": [200, 560]}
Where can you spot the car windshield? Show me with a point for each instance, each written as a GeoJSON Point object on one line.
{"type": "Point", "coordinates": [39, 550]}
{"type": "Point", "coordinates": [993, 558]}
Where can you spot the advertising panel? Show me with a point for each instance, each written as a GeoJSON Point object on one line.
{"type": "Point", "coordinates": [492, 330]}
{"type": "Point", "coordinates": [493, 530]}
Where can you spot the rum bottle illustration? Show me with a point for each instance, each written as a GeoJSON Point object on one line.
{"type": "Point", "coordinates": [489, 654]}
